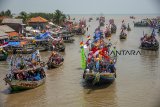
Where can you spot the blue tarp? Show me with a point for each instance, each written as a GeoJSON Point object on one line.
{"type": "Point", "coordinates": [43, 36]}
{"type": "Point", "coordinates": [14, 43]}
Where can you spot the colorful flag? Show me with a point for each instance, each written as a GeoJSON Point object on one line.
{"type": "Point", "coordinates": [83, 59]}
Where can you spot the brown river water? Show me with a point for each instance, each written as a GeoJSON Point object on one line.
{"type": "Point", "coordinates": [137, 83]}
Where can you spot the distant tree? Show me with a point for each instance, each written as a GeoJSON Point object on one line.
{"type": "Point", "coordinates": [59, 17]}
{"type": "Point", "coordinates": [23, 15]}
{"type": "Point", "coordinates": [6, 13]}
{"type": "Point", "coordinates": [2, 13]}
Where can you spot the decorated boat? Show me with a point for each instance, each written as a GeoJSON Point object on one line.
{"type": "Point", "coordinates": [113, 27]}
{"type": "Point", "coordinates": [101, 21]}
{"type": "Point", "coordinates": [123, 36]}
{"type": "Point", "coordinates": [17, 85]}
{"type": "Point", "coordinates": [42, 45]}
{"type": "Point", "coordinates": [98, 66]}
{"type": "Point", "coordinates": [43, 42]}
{"type": "Point", "coordinates": [20, 47]}
{"type": "Point", "coordinates": [26, 72]}
{"type": "Point", "coordinates": [132, 17]}
{"type": "Point", "coordinates": [149, 43]}
{"type": "Point", "coordinates": [58, 45]}
{"type": "Point", "coordinates": [55, 60]}
{"type": "Point", "coordinates": [79, 31]}
{"type": "Point", "coordinates": [68, 39]}
{"type": "Point", "coordinates": [142, 23]}
{"type": "Point", "coordinates": [124, 27]}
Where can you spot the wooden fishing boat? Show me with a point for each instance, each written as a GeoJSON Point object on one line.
{"type": "Point", "coordinates": [96, 77]}
{"type": "Point", "coordinates": [80, 31]}
{"type": "Point", "coordinates": [17, 85]}
{"type": "Point", "coordinates": [123, 36]}
{"type": "Point", "coordinates": [113, 28]}
{"type": "Point", "coordinates": [54, 65]}
{"type": "Point", "coordinates": [124, 27]}
{"type": "Point", "coordinates": [20, 50]}
{"type": "Point", "coordinates": [147, 46]}
{"type": "Point", "coordinates": [142, 23]}
{"type": "Point", "coordinates": [90, 19]}
{"type": "Point", "coordinates": [101, 24]}
{"type": "Point", "coordinates": [43, 45]}
{"type": "Point", "coordinates": [101, 21]}
{"type": "Point", "coordinates": [132, 17]}
{"type": "Point", "coordinates": [42, 48]}
{"type": "Point", "coordinates": [68, 39]}
{"type": "Point", "coordinates": [55, 60]}
{"type": "Point", "coordinates": [59, 47]}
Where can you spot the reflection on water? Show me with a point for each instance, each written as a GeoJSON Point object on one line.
{"type": "Point", "coordinates": [136, 85]}
{"type": "Point", "coordinates": [100, 96]}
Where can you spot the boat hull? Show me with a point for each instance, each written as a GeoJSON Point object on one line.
{"type": "Point", "coordinates": [17, 85]}
{"type": "Point", "coordinates": [52, 65]}
{"type": "Point", "coordinates": [123, 36]}
{"type": "Point", "coordinates": [103, 78]}
{"type": "Point", "coordinates": [21, 51]}
{"type": "Point", "coordinates": [154, 48]}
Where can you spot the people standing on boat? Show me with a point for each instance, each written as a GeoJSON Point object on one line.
{"type": "Point", "coordinates": [111, 67]}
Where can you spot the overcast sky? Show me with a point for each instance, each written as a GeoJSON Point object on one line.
{"type": "Point", "coordinates": [83, 6]}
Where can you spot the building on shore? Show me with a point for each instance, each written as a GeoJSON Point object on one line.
{"type": "Point", "coordinates": [38, 23]}
{"type": "Point", "coordinates": [16, 24]}
{"type": "Point", "coordinates": [8, 30]}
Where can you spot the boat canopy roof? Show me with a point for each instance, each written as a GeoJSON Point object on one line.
{"type": "Point", "coordinates": [16, 44]}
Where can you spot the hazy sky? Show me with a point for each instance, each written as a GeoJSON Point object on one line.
{"type": "Point", "coordinates": [83, 6]}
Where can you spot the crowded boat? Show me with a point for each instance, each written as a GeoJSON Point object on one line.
{"type": "Point", "coordinates": [149, 42]}
{"type": "Point", "coordinates": [98, 64]}
{"type": "Point", "coordinates": [25, 72]}
{"type": "Point", "coordinates": [101, 21]}
{"type": "Point", "coordinates": [55, 60]}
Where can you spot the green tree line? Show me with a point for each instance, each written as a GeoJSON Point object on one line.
{"type": "Point", "coordinates": [57, 17]}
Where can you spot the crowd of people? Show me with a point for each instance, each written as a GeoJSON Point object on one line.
{"type": "Point", "coordinates": [27, 68]}
{"type": "Point", "coordinates": [55, 58]}
{"type": "Point", "coordinates": [148, 41]}
{"type": "Point", "coordinates": [99, 58]}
